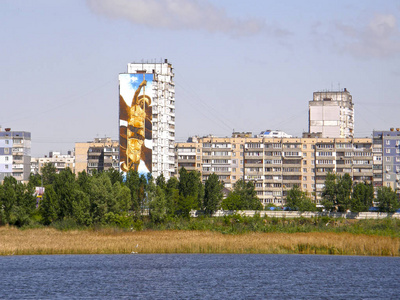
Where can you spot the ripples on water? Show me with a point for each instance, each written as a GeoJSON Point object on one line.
{"type": "Point", "coordinates": [199, 277]}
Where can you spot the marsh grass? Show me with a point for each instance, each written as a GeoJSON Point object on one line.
{"type": "Point", "coordinates": [15, 241]}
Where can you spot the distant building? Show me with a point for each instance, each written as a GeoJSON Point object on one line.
{"type": "Point", "coordinates": [147, 118]}
{"type": "Point", "coordinates": [387, 158]}
{"type": "Point", "coordinates": [15, 154]}
{"type": "Point", "coordinates": [100, 155]}
{"type": "Point", "coordinates": [275, 165]}
{"type": "Point", "coordinates": [332, 114]}
{"type": "Point", "coordinates": [58, 160]}
{"type": "Point", "coordinates": [274, 134]}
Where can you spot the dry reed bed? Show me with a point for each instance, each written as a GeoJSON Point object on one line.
{"type": "Point", "coordinates": [50, 241]}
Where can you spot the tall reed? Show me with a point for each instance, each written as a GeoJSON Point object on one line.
{"type": "Point", "coordinates": [14, 241]}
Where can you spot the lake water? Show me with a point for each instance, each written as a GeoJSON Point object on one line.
{"type": "Point", "coordinates": [198, 276]}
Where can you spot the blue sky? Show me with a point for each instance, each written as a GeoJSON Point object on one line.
{"type": "Point", "coordinates": [239, 65]}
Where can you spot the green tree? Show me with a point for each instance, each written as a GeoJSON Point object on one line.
{"type": "Point", "coordinates": [213, 194]}
{"type": "Point", "coordinates": [298, 200]}
{"type": "Point", "coordinates": [243, 197]}
{"type": "Point", "coordinates": [114, 175]}
{"type": "Point", "coordinates": [388, 199]}
{"type": "Point", "coordinates": [158, 205]}
{"type": "Point", "coordinates": [190, 188]}
{"type": "Point", "coordinates": [172, 196]}
{"type": "Point", "coordinates": [49, 206]}
{"type": "Point", "coordinates": [133, 183]}
{"type": "Point", "coordinates": [26, 204]}
{"type": "Point", "coordinates": [122, 194]}
{"type": "Point", "coordinates": [329, 192]}
{"type": "Point", "coordinates": [9, 198]}
{"type": "Point", "coordinates": [81, 209]}
{"type": "Point", "coordinates": [343, 192]}
{"type": "Point", "coordinates": [65, 187]}
{"type": "Point", "coordinates": [49, 173]}
{"type": "Point", "coordinates": [101, 198]}
{"type": "Point", "coordinates": [362, 197]}
{"type": "Point", "coordinates": [160, 181]}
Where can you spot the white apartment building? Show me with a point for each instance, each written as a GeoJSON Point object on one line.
{"type": "Point", "coordinates": [15, 154]}
{"type": "Point", "coordinates": [332, 114]}
{"type": "Point", "coordinates": [161, 90]}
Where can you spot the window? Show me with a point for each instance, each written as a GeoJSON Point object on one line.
{"type": "Point", "coordinates": [305, 186]}
{"type": "Point", "coordinates": [387, 150]}
{"type": "Point", "coordinates": [304, 162]}
{"type": "Point", "coordinates": [387, 142]}
{"type": "Point", "coordinates": [304, 178]}
{"type": "Point", "coordinates": [387, 158]}
{"type": "Point", "coordinates": [234, 177]}
{"type": "Point", "coordinates": [312, 162]}
{"type": "Point", "coordinates": [7, 142]}
{"type": "Point", "coordinates": [304, 146]}
{"type": "Point", "coordinates": [6, 158]}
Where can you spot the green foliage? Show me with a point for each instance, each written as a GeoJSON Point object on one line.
{"type": "Point", "coordinates": [243, 197]}
{"type": "Point", "coordinates": [49, 207]}
{"type": "Point", "coordinates": [388, 199]}
{"type": "Point", "coordinates": [49, 173]}
{"type": "Point", "coordinates": [298, 200]}
{"type": "Point", "coordinates": [212, 194]}
{"type": "Point", "coordinates": [158, 206]}
{"type": "Point", "coordinates": [362, 197]}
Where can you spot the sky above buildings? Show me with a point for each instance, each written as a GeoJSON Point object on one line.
{"type": "Point", "coordinates": [239, 65]}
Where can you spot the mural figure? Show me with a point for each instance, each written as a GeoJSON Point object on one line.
{"type": "Point", "coordinates": [138, 129]}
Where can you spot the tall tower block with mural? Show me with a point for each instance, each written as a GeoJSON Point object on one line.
{"type": "Point", "coordinates": [147, 119]}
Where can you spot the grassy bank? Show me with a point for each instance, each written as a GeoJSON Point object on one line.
{"type": "Point", "coordinates": [15, 241]}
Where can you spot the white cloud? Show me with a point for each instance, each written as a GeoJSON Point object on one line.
{"type": "Point", "coordinates": [179, 14]}
{"type": "Point", "coordinates": [380, 38]}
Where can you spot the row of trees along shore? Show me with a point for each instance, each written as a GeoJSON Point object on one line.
{"type": "Point", "coordinates": [109, 198]}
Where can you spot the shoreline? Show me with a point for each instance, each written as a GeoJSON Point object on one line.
{"type": "Point", "coordinates": [46, 241]}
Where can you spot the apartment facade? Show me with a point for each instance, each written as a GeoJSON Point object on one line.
{"type": "Point", "coordinates": [100, 154]}
{"type": "Point", "coordinates": [331, 113]}
{"type": "Point", "coordinates": [58, 160]}
{"type": "Point", "coordinates": [387, 158]}
{"type": "Point", "coordinates": [275, 165]}
{"type": "Point", "coordinates": [15, 154]}
{"type": "Point", "coordinates": [147, 131]}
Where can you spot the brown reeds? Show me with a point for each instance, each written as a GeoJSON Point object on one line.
{"type": "Point", "coordinates": [14, 241]}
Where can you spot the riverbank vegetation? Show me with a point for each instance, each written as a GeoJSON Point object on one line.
{"type": "Point", "coordinates": [111, 241]}
{"type": "Point", "coordinates": [108, 213]}
{"type": "Point", "coordinates": [108, 198]}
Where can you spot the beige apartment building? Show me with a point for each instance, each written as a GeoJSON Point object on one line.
{"type": "Point", "coordinates": [58, 160]}
{"type": "Point", "coordinates": [275, 165]}
{"type": "Point", "coordinates": [100, 154]}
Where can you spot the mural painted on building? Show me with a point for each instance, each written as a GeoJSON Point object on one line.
{"type": "Point", "coordinates": [135, 122]}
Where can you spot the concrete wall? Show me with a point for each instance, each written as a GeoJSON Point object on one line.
{"type": "Point", "coordinates": [306, 214]}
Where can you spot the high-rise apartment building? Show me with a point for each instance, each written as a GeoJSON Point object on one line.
{"type": "Point", "coordinates": [147, 119]}
{"type": "Point", "coordinates": [332, 114]}
{"type": "Point", "coordinates": [275, 165]}
{"type": "Point", "coordinates": [15, 154]}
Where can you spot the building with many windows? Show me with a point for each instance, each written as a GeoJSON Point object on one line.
{"type": "Point", "coordinates": [331, 113]}
{"type": "Point", "coordinates": [58, 160]}
{"type": "Point", "coordinates": [275, 165]}
{"type": "Point", "coordinates": [100, 155]}
{"type": "Point", "coordinates": [147, 118]}
{"type": "Point", "coordinates": [387, 158]}
{"type": "Point", "coordinates": [15, 154]}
